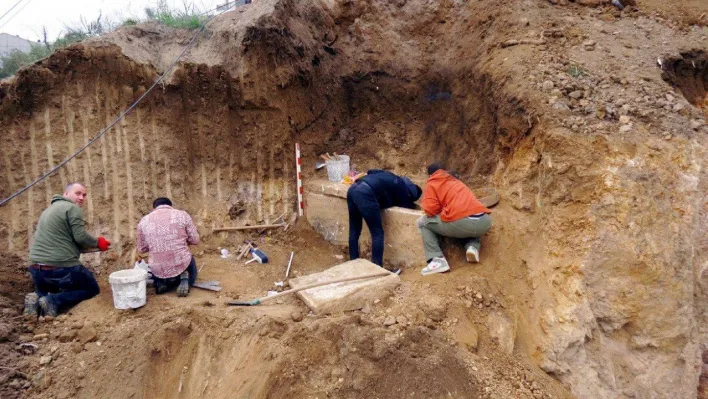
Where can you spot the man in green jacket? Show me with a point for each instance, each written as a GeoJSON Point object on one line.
{"type": "Point", "coordinates": [60, 280]}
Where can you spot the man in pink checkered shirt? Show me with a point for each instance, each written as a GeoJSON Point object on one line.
{"type": "Point", "coordinates": [166, 234]}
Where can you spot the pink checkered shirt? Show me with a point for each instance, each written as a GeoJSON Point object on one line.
{"type": "Point", "coordinates": [166, 234]}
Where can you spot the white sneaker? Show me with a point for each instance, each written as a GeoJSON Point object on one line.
{"type": "Point", "coordinates": [472, 255]}
{"type": "Point", "coordinates": [437, 265]}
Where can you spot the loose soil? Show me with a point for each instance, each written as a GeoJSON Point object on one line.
{"type": "Point", "coordinates": [595, 148]}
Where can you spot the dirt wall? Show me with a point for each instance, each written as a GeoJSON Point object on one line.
{"type": "Point", "coordinates": [598, 243]}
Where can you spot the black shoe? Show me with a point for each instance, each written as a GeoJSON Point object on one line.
{"type": "Point", "coordinates": [160, 287]}
{"type": "Point", "coordinates": [183, 288]}
{"type": "Point", "coordinates": [31, 305]}
{"type": "Point", "coordinates": [48, 307]}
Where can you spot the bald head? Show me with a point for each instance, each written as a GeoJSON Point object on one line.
{"type": "Point", "coordinates": [76, 192]}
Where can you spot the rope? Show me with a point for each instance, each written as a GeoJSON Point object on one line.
{"type": "Point", "coordinates": [121, 116]}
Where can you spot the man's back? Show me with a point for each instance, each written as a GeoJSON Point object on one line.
{"type": "Point", "coordinates": [166, 233]}
{"type": "Point", "coordinates": [390, 189]}
{"type": "Point", "coordinates": [450, 198]}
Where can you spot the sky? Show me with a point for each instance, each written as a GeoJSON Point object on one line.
{"type": "Point", "coordinates": [29, 16]}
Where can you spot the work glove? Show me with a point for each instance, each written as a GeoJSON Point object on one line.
{"type": "Point", "coordinates": [103, 244]}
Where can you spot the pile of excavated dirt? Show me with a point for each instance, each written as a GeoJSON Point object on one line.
{"type": "Point", "coordinates": [587, 121]}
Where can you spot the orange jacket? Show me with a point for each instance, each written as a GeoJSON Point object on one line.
{"type": "Point", "coordinates": [450, 198]}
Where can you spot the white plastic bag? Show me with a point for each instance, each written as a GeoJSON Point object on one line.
{"type": "Point", "coordinates": [144, 266]}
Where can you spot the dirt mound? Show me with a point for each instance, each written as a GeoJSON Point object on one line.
{"type": "Point", "coordinates": [594, 268]}
{"type": "Point", "coordinates": [15, 366]}
{"type": "Point", "coordinates": [355, 360]}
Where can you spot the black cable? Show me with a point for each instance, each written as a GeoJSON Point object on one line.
{"type": "Point", "coordinates": [11, 8]}
{"type": "Point", "coordinates": [121, 116]}
{"type": "Point", "coordinates": [15, 14]}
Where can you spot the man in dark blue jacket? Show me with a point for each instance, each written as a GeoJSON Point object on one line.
{"type": "Point", "coordinates": [376, 191]}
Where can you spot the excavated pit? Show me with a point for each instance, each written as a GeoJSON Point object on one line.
{"type": "Point", "coordinates": [689, 73]}
{"type": "Point", "coordinates": [566, 288]}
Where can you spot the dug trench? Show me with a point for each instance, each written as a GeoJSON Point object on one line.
{"type": "Point", "coordinates": [557, 307]}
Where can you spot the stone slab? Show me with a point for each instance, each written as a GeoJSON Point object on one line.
{"type": "Point", "coordinates": [346, 296]}
{"type": "Point", "coordinates": [326, 210]}
{"type": "Point", "coordinates": [329, 216]}
{"type": "Point", "coordinates": [403, 246]}
{"type": "Point", "coordinates": [486, 195]}
{"type": "Point", "coordinates": [327, 187]}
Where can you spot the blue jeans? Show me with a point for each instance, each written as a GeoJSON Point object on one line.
{"type": "Point", "coordinates": [65, 286]}
{"type": "Point", "coordinates": [362, 203]}
{"type": "Point", "coordinates": [173, 282]}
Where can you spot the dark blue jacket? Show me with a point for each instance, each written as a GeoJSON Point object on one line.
{"type": "Point", "coordinates": [390, 189]}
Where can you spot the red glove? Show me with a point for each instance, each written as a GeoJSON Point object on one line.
{"type": "Point", "coordinates": [103, 244]}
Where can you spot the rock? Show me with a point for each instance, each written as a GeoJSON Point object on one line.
{"type": "Point", "coordinates": [434, 307]}
{"type": "Point", "coordinates": [577, 94]}
{"type": "Point", "coordinates": [401, 320]}
{"type": "Point", "coordinates": [87, 334]}
{"type": "Point", "coordinates": [561, 106]}
{"type": "Point", "coordinates": [502, 330]}
{"type": "Point", "coordinates": [624, 119]}
{"type": "Point", "coordinates": [696, 124]}
{"type": "Point", "coordinates": [45, 360]}
{"type": "Point", "coordinates": [77, 347]}
{"type": "Point", "coordinates": [78, 325]}
{"type": "Point", "coordinates": [625, 128]}
{"type": "Point", "coordinates": [669, 97]}
{"type": "Point", "coordinates": [389, 321]}
{"type": "Point", "coordinates": [297, 316]}
{"type": "Point", "coordinates": [678, 107]}
{"type": "Point", "coordinates": [38, 337]}
{"type": "Point", "coordinates": [5, 332]}
{"type": "Point", "coordinates": [547, 85]}
{"type": "Point", "coordinates": [41, 380]}
{"type": "Point", "coordinates": [366, 309]}
{"type": "Point", "coordinates": [67, 336]}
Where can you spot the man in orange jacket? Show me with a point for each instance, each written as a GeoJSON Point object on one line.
{"type": "Point", "coordinates": [452, 210]}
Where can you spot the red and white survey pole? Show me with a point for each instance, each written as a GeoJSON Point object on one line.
{"type": "Point", "coordinates": [298, 166]}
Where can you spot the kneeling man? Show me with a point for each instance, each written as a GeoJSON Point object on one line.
{"type": "Point", "coordinates": [60, 280]}
{"type": "Point", "coordinates": [166, 233]}
{"type": "Point", "coordinates": [452, 210]}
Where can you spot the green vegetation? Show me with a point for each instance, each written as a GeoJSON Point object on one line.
{"type": "Point", "coordinates": [187, 17]}
{"type": "Point", "coordinates": [577, 71]}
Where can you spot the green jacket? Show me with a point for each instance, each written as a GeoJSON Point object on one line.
{"type": "Point", "coordinates": [60, 235]}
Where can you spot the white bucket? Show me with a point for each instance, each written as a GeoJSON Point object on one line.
{"type": "Point", "coordinates": [336, 170]}
{"type": "Point", "coordinates": [128, 288]}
